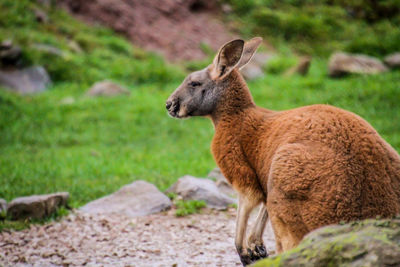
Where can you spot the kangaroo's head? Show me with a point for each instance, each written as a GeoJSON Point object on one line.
{"type": "Point", "coordinates": [201, 91]}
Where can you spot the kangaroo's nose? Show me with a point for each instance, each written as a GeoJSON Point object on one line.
{"type": "Point", "coordinates": [168, 104]}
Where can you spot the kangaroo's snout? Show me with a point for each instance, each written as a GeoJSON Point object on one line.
{"type": "Point", "coordinates": [172, 107]}
{"type": "Point", "coordinates": [168, 104]}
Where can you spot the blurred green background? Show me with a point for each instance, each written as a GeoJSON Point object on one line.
{"type": "Point", "coordinates": [92, 146]}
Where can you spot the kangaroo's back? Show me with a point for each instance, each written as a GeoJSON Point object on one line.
{"type": "Point", "coordinates": [330, 165]}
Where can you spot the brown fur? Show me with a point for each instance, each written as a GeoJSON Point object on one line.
{"type": "Point", "coordinates": [313, 166]}
{"type": "Point", "coordinates": [309, 167]}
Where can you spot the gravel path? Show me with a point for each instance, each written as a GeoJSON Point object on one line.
{"type": "Point", "coordinates": [157, 240]}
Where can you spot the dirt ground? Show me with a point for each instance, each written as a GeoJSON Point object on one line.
{"type": "Point", "coordinates": [156, 240]}
{"type": "Point", "coordinates": [176, 29]}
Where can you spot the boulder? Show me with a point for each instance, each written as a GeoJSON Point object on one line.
{"type": "Point", "coordinates": [29, 80]}
{"type": "Point", "coordinates": [342, 63]}
{"type": "Point", "coordinates": [3, 205]}
{"type": "Point", "coordinates": [301, 68]}
{"type": "Point", "coordinates": [107, 88]}
{"type": "Point", "coordinates": [365, 243]}
{"type": "Point", "coordinates": [192, 188]}
{"type": "Point", "coordinates": [222, 183]}
{"type": "Point", "coordinates": [36, 206]}
{"type": "Point", "coordinates": [254, 69]}
{"type": "Point", "coordinates": [393, 60]}
{"type": "Point", "coordinates": [139, 198]}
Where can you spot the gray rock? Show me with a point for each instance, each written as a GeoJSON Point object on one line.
{"type": "Point", "coordinates": [254, 69]}
{"type": "Point", "coordinates": [222, 183]}
{"type": "Point", "coordinates": [29, 80]}
{"type": "Point", "coordinates": [10, 54]}
{"type": "Point", "coordinates": [36, 206]}
{"type": "Point", "coordinates": [301, 68]}
{"type": "Point", "coordinates": [342, 63]}
{"type": "Point", "coordinates": [393, 60]}
{"type": "Point", "coordinates": [3, 205]}
{"type": "Point", "coordinates": [49, 49]}
{"type": "Point", "coordinates": [74, 46]}
{"type": "Point", "coordinates": [69, 100]}
{"type": "Point", "coordinates": [41, 16]}
{"type": "Point", "coordinates": [365, 243]}
{"type": "Point", "coordinates": [192, 188]}
{"type": "Point", "coordinates": [107, 88]}
{"type": "Point", "coordinates": [137, 199]}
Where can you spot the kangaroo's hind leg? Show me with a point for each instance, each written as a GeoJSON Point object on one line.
{"type": "Point", "coordinates": [255, 241]}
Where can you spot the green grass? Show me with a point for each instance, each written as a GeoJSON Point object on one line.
{"type": "Point", "coordinates": [184, 208]}
{"type": "Point", "coordinates": [94, 146]}
{"type": "Point", "coordinates": [321, 27]}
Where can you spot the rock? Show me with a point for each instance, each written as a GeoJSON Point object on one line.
{"type": "Point", "coordinates": [342, 63]}
{"type": "Point", "coordinates": [107, 88]}
{"type": "Point", "coordinates": [41, 16]}
{"type": "Point", "coordinates": [192, 188]}
{"type": "Point", "coordinates": [393, 60]}
{"type": "Point", "coordinates": [10, 54]}
{"type": "Point", "coordinates": [301, 68]}
{"type": "Point", "coordinates": [69, 100]}
{"type": "Point", "coordinates": [74, 46]}
{"type": "Point", "coordinates": [222, 183]}
{"type": "Point", "coordinates": [226, 8]}
{"type": "Point", "coordinates": [46, 3]}
{"type": "Point", "coordinates": [3, 205]}
{"type": "Point", "coordinates": [365, 243]}
{"type": "Point", "coordinates": [49, 49]}
{"type": "Point", "coordinates": [254, 69]}
{"type": "Point", "coordinates": [139, 198]}
{"type": "Point", "coordinates": [29, 80]}
{"type": "Point", "coordinates": [36, 206]}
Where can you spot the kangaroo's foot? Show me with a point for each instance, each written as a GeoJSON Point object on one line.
{"type": "Point", "coordinates": [250, 256]}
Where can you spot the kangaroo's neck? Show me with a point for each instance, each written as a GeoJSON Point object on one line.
{"type": "Point", "coordinates": [235, 98]}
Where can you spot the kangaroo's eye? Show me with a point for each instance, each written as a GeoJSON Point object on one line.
{"type": "Point", "coordinates": [194, 84]}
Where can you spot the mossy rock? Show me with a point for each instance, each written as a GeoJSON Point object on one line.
{"type": "Point", "coordinates": [365, 243]}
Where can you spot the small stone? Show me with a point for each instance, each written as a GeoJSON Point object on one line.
{"type": "Point", "coordinates": [192, 188]}
{"type": "Point", "coordinates": [69, 100]}
{"type": "Point", "coordinates": [74, 46]}
{"type": "Point", "coordinates": [41, 16]}
{"type": "Point", "coordinates": [6, 44]}
{"type": "Point", "coordinates": [301, 68]}
{"type": "Point", "coordinates": [10, 54]}
{"type": "Point", "coordinates": [137, 199]}
{"type": "Point", "coordinates": [107, 88]}
{"type": "Point", "coordinates": [3, 205]}
{"type": "Point", "coordinates": [393, 60]}
{"type": "Point", "coordinates": [254, 69]}
{"type": "Point", "coordinates": [342, 63]}
{"type": "Point", "coordinates": [226, 8]}
{"type": "Point", "coordinates": [49, 49]}
{"type": "Point", "coordinates": [36, 206]}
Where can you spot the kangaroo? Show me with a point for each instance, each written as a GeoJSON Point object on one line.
{"type": "Point", "coordinates": [308, 167]}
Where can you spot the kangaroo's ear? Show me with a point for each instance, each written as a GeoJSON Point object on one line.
{"type": "Point", "coordinates": [227, 59]}
{"type": "Point", "coordinates": [250, 48]}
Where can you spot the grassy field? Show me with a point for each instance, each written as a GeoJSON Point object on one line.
{"type": "Point", "coordinates": [93, 146]}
